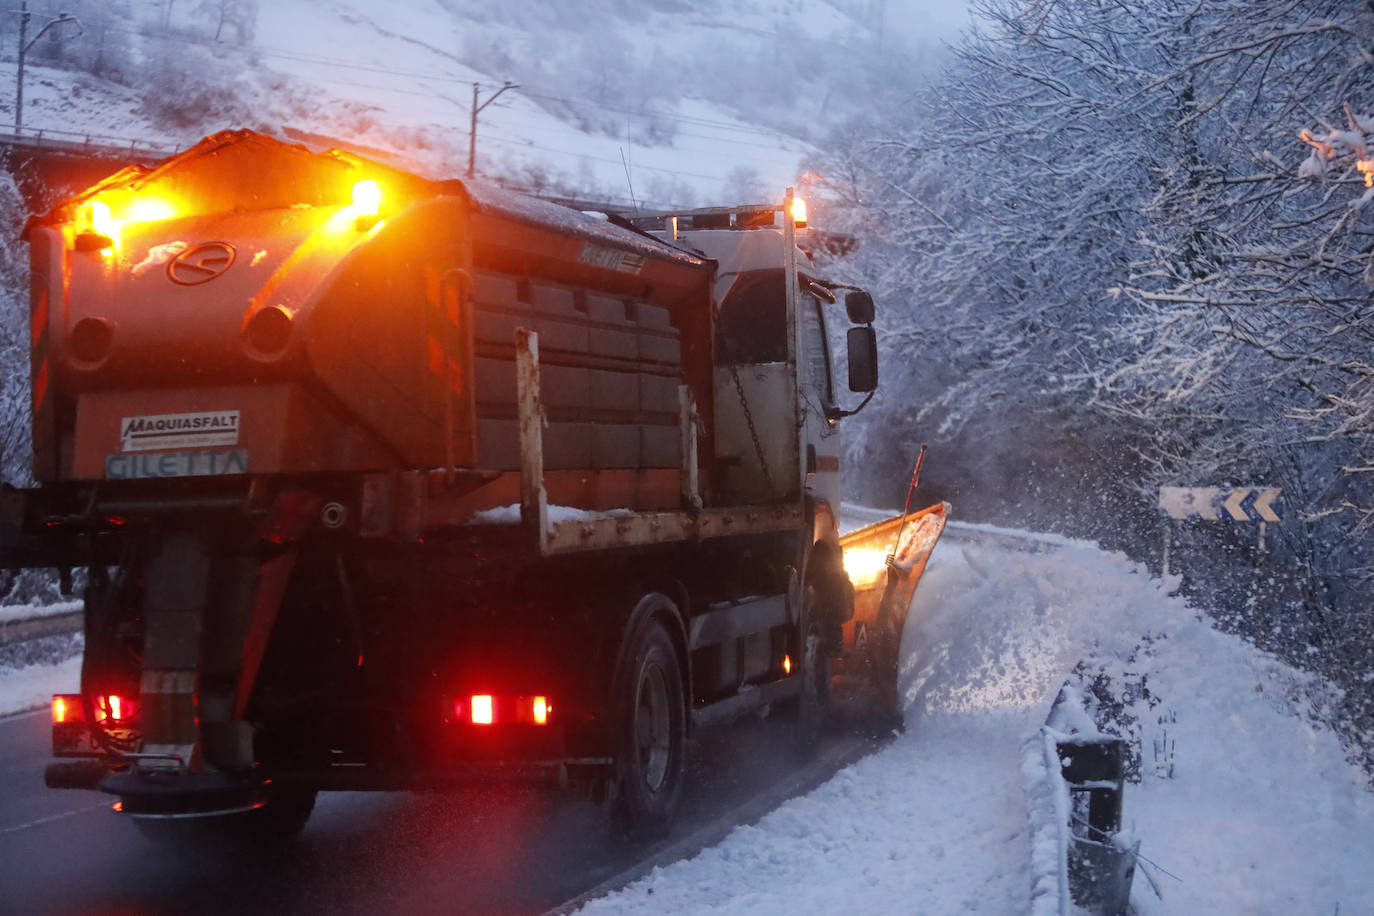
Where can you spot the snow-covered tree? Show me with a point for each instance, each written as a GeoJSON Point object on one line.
{"type": "Point", "coordinates": [1134, 240]}
{"type": "Point", "coordinates": [239, 17]}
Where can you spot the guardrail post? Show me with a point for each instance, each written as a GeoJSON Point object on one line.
{"type": "Point", "coordinates": [1101, 866]}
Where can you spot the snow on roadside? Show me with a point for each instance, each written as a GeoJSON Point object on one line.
{"type": "Point", "coordinates": [30, 672]}
{"type": "Point", "coordinates": [1262, 813]}
{"type": "Point", "coordinates": [32, 687]}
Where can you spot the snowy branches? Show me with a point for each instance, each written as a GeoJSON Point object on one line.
{"type": "Point", "coordinates": [1137, 241]}
{"type": "Point", "coordinates": [1122, 225]}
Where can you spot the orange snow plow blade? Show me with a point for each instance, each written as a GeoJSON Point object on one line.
{"type": "Point", "coordinates": [884, 561]}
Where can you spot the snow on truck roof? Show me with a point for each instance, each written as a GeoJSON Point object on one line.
{"type": "Point", "coordinates": [243, 169]}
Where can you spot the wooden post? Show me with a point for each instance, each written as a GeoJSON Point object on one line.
{"type": "Point", "coordinates": [687, 409]}
{"type": "Point", "coordinates": [534, 509]}
{"type": "Point", "coordinates": [794, 348]}
{"type": "Point", "coordinates": [1168, 528]}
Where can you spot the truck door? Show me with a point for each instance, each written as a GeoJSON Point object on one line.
{"type": "Point", "coordinates": [822, 443]}
{"type": "Point", "coordinates": [756, 391]}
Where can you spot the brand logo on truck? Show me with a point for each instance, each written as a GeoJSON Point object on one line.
{"type": "Point", "coordinates": [179, 430]}
{"type": "Point", "coordinates": [200, 264]}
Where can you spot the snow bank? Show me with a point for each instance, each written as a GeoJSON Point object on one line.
{"type": "Point", "coordinates": [32, 687]}
{"type": "Point", "coordinates": [1248, 805]}
{"type": "Point", "coordinates": [30, 672]}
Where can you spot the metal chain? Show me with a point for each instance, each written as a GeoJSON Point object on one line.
{"type": "Point", "coordinates": [753, 433]}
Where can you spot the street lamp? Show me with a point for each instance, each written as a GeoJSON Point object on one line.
{"type": "Point", "coordinates": [24, 47]}
{"type": "Point", "coordinates": [472, 135]}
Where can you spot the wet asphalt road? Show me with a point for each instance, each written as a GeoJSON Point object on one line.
{"type": "Point", "coordinates": [490, 849]}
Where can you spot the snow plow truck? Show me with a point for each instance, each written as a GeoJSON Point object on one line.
{"type": "Point", "coordinates": [384, 483]}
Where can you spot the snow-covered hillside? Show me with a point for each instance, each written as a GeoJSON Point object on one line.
{"type": "Point", "coordinates": [1246, 804]}
{"type": "Point", "coordinates": [662, 102]}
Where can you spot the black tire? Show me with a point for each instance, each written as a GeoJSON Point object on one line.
{"type": "Point", "coordinates": [808, 723]}
{"type": "Point", "coordinates": [651, 733]}
{"type": "Point", "coordinates": [279, 821]}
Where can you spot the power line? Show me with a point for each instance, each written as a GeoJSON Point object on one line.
{"type": "Point", "coordinates": [428, 77]}
{"type": "Point", "coordinates": [704, 122]}
{"type": "Point", "coordinates": [282, 54]}
{"type": "Point", "coordinates": [287, 55]}
{"type": "Point", "coordinates": [563, 152]}
{"type": "Point", "coordinates": [508, 119]}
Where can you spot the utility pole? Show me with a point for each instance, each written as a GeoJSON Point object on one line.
{"type": "Point", "coordinates": [19, 78]}
{"type": "Point", "coordinates": [24, 46]}
{"type": "Point", "coordinates": [472, 132]}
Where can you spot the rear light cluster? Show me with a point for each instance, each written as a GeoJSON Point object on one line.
{"type": "Point", "coordinates": [67, 709]}
{"type": "Point", "coordinates": [487, 709]}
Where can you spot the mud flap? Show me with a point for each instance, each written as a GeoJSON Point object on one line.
{"type": "Point", "coordinates": [177, 583]}
{"type": "Point", "coordinates": [884, 561]}
{"type": "Point", "coordinates": [210, 607]}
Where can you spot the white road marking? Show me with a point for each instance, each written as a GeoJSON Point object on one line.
{"type": "Point", "coordinates": [103, 806]}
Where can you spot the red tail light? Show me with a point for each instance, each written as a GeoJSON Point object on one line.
{"type": "Point", "coordinates": [492, 709]}
{"type": "Point", "coordinates": [114, 708]}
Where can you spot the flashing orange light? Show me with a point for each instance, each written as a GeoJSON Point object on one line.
{"type": "Point", "coordinates": [799, 212]}
{"type": "Point", "coordinates": [367, 198]}
{"type": "Point", "coordinates": [482, 709]}
{"type": "Point", "coordinates": [98, 215]}
{"type": "Point", "coordinates": [148, 209]}
{"type": "Point", "coordinates": [787, 664]}
{"type": "Point", "coordinates": [539, 706]}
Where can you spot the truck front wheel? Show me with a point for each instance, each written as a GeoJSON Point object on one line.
{"type": "Point", "coordinates": [651, 732]}
{"type": "Point", "coordinates": [809, 723]}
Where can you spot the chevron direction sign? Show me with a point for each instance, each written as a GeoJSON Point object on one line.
{"type": "Point", "coordinates": [1220, 504]}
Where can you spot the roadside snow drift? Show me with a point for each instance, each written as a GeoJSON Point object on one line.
{"type": "Point", "coordinates": [1246, 804]}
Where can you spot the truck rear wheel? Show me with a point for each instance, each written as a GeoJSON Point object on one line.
{"type": "Point", "coordinates": [651, 725]}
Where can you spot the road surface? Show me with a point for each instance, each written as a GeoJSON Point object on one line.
{"type": "Point", "coordinates": [492, 849]}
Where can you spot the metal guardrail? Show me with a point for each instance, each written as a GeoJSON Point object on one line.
{"type": "Point", "coordinates": [39, 626]}
{"type": "Point", "coordinates": [84, 142]}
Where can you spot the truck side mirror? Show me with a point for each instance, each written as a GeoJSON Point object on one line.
{"type": "Point", "coordinates": [859, 305]}
{"type": "Point", "coordinates": [863, 358]}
